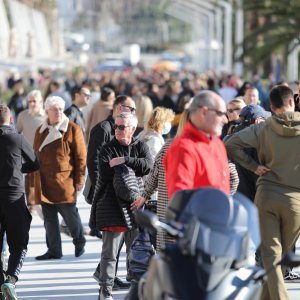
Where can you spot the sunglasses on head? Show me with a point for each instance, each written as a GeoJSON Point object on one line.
{"type": "Point", "coordinates": [120, 127]}
{"type": "Point", "coordinates": [132, 109]}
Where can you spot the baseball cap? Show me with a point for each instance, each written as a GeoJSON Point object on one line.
{"type": "Point", "coordinates": [254, 111]}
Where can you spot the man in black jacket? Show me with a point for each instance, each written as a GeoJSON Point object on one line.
{"type": "Point", "coordinates": [17, 157]}
{"type": "Point", "coordinates": [100, 135]}
{"type": "Point", "coordinates": [80, 98]}
{"type": "Point", "coordinates": [106, 211]}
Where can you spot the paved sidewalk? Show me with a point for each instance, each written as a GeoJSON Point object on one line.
{"type": "Point", "coordinates": [66, 278]}
{"type": "Point", "coordinates": [70, 277]}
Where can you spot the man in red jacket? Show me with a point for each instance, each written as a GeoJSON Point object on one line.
{"type": "Point", "coordinates": [198, 157]}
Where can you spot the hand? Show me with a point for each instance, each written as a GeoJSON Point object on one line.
{"type": "Point", "coordinates": [79, 187]}
{"type": "Point", "coordinates": [262, 170]}
{"type": "Point", "coordinates": [116, 161]}
{"type": "Point", "coordinates": [138, 203]}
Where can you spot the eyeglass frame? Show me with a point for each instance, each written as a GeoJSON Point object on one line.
{"type": "Point", "coordinates": [85, 94]}
{"type": "Point", "coordinates": [115, 127]}
{"type": "Point", "coordinates": [219, 113]}
{"type": "Point", "coordinates": [132, 109]}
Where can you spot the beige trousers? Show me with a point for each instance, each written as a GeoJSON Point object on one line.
{"type": "Point", "coordinates": [279, 215]}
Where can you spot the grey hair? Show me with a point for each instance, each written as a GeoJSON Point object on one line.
{"type": "Point", "coordinates": [131, 117]}
{"type": "Point", "coordinates": [36, 94]}
{"type": "Point", "coordinates": [54, 100]}
{"type": "Point", "coordinates": [204, 98]}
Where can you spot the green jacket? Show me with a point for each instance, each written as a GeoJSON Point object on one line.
{"type": "Point", "coordinates": [277, 142]}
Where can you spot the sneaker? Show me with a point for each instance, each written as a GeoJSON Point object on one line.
{"type": "Point", "coordinates": [291, 276]}
{"type": "Point", "coordinates": [8, 288]}
{"type": "Point", "coordinates": [120, 285]}
{"type": "Point", "coordinates": [105, 294]}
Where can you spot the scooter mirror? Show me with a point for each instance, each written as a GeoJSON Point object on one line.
{"type": "Point", "coordinates": [291, 260]}
{"type": "Point", "coordinates": [147, 219]}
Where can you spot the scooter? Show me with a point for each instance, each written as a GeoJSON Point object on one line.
{"type": "Point", "coordinates": [214, 235]}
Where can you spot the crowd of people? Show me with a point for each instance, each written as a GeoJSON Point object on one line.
{"type": "Point", "coordinates": [134, 140]}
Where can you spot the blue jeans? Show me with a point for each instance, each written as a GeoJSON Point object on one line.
{"type": "Point", "coordinates": [70, 214]}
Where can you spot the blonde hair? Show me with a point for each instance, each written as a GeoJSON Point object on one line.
{"type": "Point", "coordinates": [237, 102]}
{"type": "Point", "coordinates": [183, 120]}
{"type": "Point", "coordinates": [159, 116]}
{"type": "Point", "coordinates": [144, 108]}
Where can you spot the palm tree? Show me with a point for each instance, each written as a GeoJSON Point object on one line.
{"type": "Point", "coordinates": [272, 27]}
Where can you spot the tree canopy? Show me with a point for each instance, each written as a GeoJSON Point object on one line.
{"type": "Point", "coordinates": [271, 25]}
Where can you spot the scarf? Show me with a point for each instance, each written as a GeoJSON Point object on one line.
{"type": "Point", "coordinates": [54, 131]}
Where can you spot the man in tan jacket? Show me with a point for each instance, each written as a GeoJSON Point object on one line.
{"type": "Point", "coordinates": [60, 147]}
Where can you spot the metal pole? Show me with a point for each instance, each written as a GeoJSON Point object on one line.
{"type": "Point", "coordinates": [239, 37]}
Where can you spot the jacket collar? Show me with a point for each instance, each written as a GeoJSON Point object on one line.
{"type": "Point", "coordinates": [77, 108]}
{"type": "Point", "coordinates": [54, 131]}
{"type": "Point", "coordinates": [190, 129]}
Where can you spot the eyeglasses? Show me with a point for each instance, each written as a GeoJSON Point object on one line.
{"type": "Point", "coordinates": [31, 101]}
{"type": "Point", "coordinates": [120, 127]}
{"type": "Point", "coordinates": [219, 113]}
{"type": "Point", "coordinates": [132, 109]}
{"type": "Point", "coordinates": [231, 110]}
{"type": "Point", "coordinates": [86, 95]}
{"type": "Point", "coordinates": [59, 109]}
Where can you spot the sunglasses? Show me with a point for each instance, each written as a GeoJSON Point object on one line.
{"type": "Point", "coordinates": [120, 127]}
{"type": "Point", "coordinates": [231, 110]}
{"type": "Point", "coordinates": [132, 109]}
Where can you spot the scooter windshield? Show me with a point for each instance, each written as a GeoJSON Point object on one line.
{"type": "Point", "coordinates": [227, 226]}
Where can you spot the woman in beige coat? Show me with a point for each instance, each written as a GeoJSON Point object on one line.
{"type": "Point", "coordinates": [60, 148]}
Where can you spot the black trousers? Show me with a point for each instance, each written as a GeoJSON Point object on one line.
{"type": "Point", "coordinates": [70, 214]}
{"type": "Point", "coordinates": [15, 220]}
